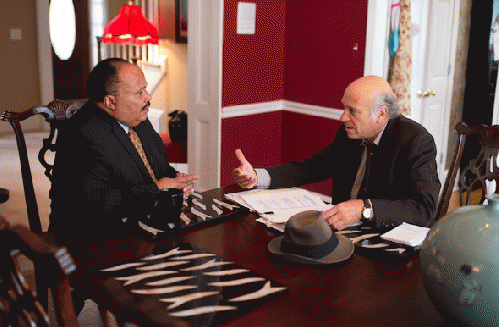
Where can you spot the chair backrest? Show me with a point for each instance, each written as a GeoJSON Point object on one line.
{"type": "Point", "coordinates": [19, 304]}
{"type": "Point", "coordinates": [479, 170]}
{"type": "Point", "coordinates": [56, 114]}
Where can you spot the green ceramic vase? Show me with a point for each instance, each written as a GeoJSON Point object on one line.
{"type": "Point", "coordinates": [460, 264]}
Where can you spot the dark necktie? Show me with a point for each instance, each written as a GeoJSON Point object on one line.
{"type": "Point", "coordinates": [138, 145]}
{"type": "Point", "coordinates": [365, 180]}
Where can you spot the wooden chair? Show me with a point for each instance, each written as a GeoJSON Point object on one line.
{"type": "Point", "coordinates": [477, 172]}
{"type": "Point", "coordinates": [55, 113]}
{"type": "Point", "coordinates": [19, 304]}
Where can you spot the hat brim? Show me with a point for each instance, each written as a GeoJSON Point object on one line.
{"type": "Point", "coordinates": [343, 251]}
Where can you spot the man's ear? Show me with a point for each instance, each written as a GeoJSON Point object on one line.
{"type": "Point", "coordinates": [110, 101]}
{"type": "Point", "coordinates": [383, 114]}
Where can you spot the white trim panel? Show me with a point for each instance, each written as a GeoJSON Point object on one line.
{"type": "Point", "coordinates": [204, 89]}
{"type": "Point", "coordinates": [378, 29]}
{"type": "Point", "coordinates": [264, 107]}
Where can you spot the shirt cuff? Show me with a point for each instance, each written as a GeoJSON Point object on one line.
{"type": "Point", "coordinates": [263, 178]}
{"type": "Point", "coordinates": [372, 210]}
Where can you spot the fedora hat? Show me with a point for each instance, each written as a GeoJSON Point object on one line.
{"type": "Point", "coordinates": [308, 239]}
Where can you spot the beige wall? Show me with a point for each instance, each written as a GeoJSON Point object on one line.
{"type": "Point", "coordinates": [114, 7]}
{"type": "Point", "coordinates": [172, 92]}
{"type": "Point", "coordinates": [19, 81]}
{"type": "Point", "coordinates": [176, 79]}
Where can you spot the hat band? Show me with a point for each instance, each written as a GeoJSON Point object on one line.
{"type": "Point", "coordinates": [310, 251]}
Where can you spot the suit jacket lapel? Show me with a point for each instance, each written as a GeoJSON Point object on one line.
{"type": "Point", "coordinates": [123, 137]}
{"type": "Point", "coordinates": [383, 155]}
{"type": "Point", "coordinates": [130, 148]}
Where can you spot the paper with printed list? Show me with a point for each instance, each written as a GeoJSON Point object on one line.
{"type": "Point", "coordinates": [277, 206]}
{"type": "Point", "coordinates": [407, 234]}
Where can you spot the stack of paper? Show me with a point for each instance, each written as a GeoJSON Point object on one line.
{"type": "Point", "coordinates": [407, 234]}
{"type": "Point", "coordinates": [277, 206]}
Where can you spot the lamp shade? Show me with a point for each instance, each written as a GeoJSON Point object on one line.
{"type": "Point", "coordinates": [130, 27]}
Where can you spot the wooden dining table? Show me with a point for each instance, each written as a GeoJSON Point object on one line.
{"type": "Point", "coordinates": [358, 292]}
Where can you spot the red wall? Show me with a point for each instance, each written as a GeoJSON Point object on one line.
{"type": "Point", "coordinates": [303, 136]}
{"type": "Point", "coordinates": [258, 136]}
{"type": "Point", "coordinates": [320, 56]}
{"type": "Point", "coordinates": [272, 138]}
{"type": "Point", "coordinates": [302, 51]}
{"type": "Point", "coordinates": [253, 65]}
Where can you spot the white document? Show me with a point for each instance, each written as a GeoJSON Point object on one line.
{"type": "Point", "coordinates": [407, 234]}
{"type": "Point", "coordinates": [236, 197]}
{"type": "Point", "coordinates": [277, 206]}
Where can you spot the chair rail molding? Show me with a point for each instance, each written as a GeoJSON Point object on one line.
{"type": "Point", "coordinates": [264, 107]}
{"type": "Point", "coordinates": [251, 109]}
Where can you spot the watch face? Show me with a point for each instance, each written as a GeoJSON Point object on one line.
{"type": "Point", "coordinates": [366, 213]}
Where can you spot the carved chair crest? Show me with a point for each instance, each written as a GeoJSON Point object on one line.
{"type": "Point", "coordinates": [483, 171]}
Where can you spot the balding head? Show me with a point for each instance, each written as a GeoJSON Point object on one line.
{"type": "Point", "coordinates": [371, 86]}
{"type": "Point", "coordinates": [103, 79]}
{"type": "Point", "coordinates": [376, 92]}
{"type": "Point", "coordinates": [369, 104]}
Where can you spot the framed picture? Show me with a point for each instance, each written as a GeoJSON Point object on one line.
{"type": "Point", "coordinates": [181, 21]}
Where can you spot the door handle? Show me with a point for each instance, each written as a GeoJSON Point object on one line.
{"type": "Point", "coordinates": [425, 94]}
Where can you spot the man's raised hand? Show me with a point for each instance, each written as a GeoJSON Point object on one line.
{"type": "Point", "coordinates": [244, 175]}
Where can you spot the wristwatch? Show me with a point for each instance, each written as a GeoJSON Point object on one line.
{"type": "Point", "coordinates": [367, 213]}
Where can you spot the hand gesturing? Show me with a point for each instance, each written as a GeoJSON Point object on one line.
{"type": "Point", "coordinates": [244, 175]}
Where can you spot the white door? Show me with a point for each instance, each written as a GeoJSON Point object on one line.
{"type": "Point", "coordinates": [431, 85]}
{"type": "Point", "coordinates": [495, 116]}
{"type": "Point", "coordinates": [495, 15]}
{"type": "Point", "coordinates": [205, 79]}
{"type": "Point", "coordinates": [378, 29]}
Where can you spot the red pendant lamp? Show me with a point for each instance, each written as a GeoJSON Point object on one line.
{"type": "Point", "coordinates": [130, 27]}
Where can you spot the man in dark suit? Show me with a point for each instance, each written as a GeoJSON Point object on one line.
{"type": "Point", "coordinates": [395, 182]}
{"type": "Point", "coordinates": [99, 176]}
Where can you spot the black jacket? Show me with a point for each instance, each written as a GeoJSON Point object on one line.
{"type": "Point", "coordinates": [98, 177]}
{"type": "Point", "coordinates": [403, 183]}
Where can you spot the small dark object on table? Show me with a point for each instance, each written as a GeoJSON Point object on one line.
{"type": "Point", "coordinates": [4, 195]}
